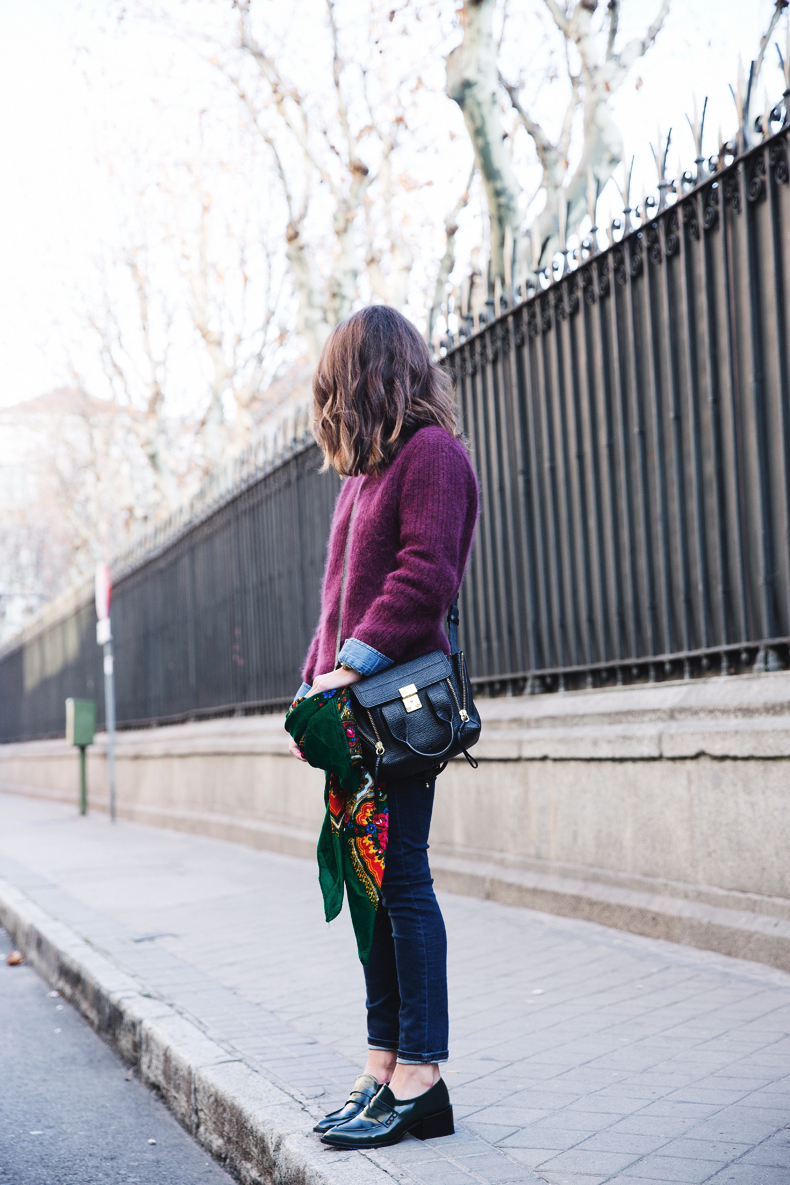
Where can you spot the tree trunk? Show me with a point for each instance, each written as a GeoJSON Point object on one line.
{"type": "Point", "coordinates": [473, 83]}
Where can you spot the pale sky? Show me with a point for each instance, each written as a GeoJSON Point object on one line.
{"type": "Point", "coordinates": [54, 200]}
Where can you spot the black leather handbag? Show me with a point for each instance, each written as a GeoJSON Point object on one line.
{"type": "Point", "coordinates": [413, 717]}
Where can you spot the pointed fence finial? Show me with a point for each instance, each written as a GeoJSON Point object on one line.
{"type": "Point", "coordinates": [490, 311]}
{"type": "Point", "coordinates": [784, 63]}
{"type": "Point", "coordinates": [742, 97]}
{"type": "Point", "coordinates": [698, 131]}
{"type": "Point", "coordinates": [536, 251]}
{"type": "Point", "coordinates": [766, 120]}
{"type": "Point", "coordinates": [508, 250]}
{"type": "Point", "coordinates": [660, 153]}
{"type": "Point", "coordinates": [593, 193]}
{"type": "Point", "coordinates": [625, 194]}
{"type": "Point", "coordinates": [562, 226]}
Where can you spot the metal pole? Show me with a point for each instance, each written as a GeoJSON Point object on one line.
{"type": "Point", "coordinates": [109, 702]}
{"type": "Point", "coordinates": [83, 783]}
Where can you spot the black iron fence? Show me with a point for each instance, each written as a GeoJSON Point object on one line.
{"type": "Point", "coordinates": [213, 620]}
{"type": "Point", "coordinates": [631, 428]}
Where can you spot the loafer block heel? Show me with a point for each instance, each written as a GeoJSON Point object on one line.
{"type": "Point", "coordinates": [433, 1126]}
{"type": "Point", "coordinates": [386, 1120]}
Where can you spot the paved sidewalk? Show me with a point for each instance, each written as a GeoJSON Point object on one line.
{"type": "Point", "coordinates": [580, 1055]}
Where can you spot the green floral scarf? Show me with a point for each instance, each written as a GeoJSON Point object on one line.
{"type": "Point", "coordinates": [353, 842]}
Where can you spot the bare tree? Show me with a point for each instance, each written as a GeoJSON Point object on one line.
{"type": "Point", "coordinates": [190, 320]}
{"type": "Point", "coordinates": [596, 69]}
{"type": "Point", "coordinates": [340, 143]}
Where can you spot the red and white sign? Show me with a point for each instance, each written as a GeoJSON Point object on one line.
{"type": "Point", "coordinates": [103, 591]}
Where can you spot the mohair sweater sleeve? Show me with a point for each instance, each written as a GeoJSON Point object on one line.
{"type": "Point", "coordinates": [437, 507]}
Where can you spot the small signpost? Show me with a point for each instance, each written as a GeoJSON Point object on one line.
{"type": "Point", "coordinates": [80, 727]}
{"type": "Point", "coordinates": [104, 638]}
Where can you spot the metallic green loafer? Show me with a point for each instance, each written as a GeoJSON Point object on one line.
{"type": "Point", "coordinates": [363, 1091]}
{"type": "Point", "coordinates": [386, 1120]}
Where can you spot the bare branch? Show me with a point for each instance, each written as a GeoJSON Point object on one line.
{"type": "Point", "coordinates": [447, 262]}
{"type": "Point", "coordinates": [338, 66]}
{"type": "Point", "coordinates": [638, 47]}
{"type": "Point", "coordinates": [550, 156]}
{"type": "Point", "coordinates": [779, 8]}
{"type": "Point", "coordinates": [614, 23]}
{"type": "Point", "coordinates": [559, 17]}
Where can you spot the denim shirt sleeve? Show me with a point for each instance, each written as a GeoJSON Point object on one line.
{"type": "Point", "coordinates": [303, 690]}
{"type": "Point", "coordinates": [363, 658]}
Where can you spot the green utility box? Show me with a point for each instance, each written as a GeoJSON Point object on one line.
{"type": "Point", "coordinates": [80, 721]}
{"type": "Point", "coordinates": [80, 727]}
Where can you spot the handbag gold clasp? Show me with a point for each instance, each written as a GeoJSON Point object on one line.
{"type": "Point", "coordinates": [411, 700]}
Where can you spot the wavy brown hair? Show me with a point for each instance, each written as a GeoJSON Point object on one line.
{"type": "Point", "coordinates": [374, 386]}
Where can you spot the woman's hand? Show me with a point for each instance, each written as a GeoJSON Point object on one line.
{"type": "Point", "coordinates": [295, 750]}
{"type": "Point", "coordinates": [334, 679]}
{"type": "Point", "coordinates": [328, 682]}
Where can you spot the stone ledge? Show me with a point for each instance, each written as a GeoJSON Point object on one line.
{"type": "Point", "coordinates": [248, 1123]}
{"type": "Point", "coordinates": [743, 934]}
{"type": "Point", "coordinates": [740, 717]}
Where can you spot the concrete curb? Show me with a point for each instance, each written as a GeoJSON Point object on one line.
{"type": "Point", "coordinates": [257, 1130]}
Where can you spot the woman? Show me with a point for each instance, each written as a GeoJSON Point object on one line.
{"type": "Point", "coordinates": [384, 418]}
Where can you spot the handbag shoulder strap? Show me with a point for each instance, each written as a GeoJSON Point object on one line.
{"type": "Point", "coordinates": [453, 617]}
{"type": "Point", "coordinates": [346, 553]}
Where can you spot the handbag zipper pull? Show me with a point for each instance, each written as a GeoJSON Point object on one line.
{"type": "Point", "coordinates": [379, 749]}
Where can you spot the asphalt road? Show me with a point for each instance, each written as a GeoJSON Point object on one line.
{"type": "Point", "coordinates": [68, 1114]}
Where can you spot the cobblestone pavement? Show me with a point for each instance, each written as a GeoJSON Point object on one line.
{"type": "Point", "coordinates": [580, 1054]}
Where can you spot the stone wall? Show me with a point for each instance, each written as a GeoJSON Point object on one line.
{"type": "Point", "coordinates": [662, 809]}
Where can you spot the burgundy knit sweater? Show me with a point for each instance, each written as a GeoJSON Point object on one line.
{"type": "Point", "coordinates": [412, 535]}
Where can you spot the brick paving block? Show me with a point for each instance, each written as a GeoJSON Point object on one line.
{"type": "Point", "coordinates": [440, 1172]}
{"type": "Point", "coordinates": [549, 1096]}
{"type": "Point", "coordinates": [492, 1133]}
{"type": "Point", "coordinates": [721, 1128]}
{"type": "Point", "coordinates": [686, 1146]}
{"type": "Point", "coordinates": [655, 1125]}
{"type": "Point", "coordinates": [590, 1077]}
{"type": "Point", "coordinates": [538, 1135]}
{"type": "Point", "coordinates": [532, 1158]}
{"type": "Point", "coordinates": [659, 1168]}
{"type": "Point", "coordinates": [673, 1107]}
{"type": "Point", "coordinates": [664, 1083]}
{"type": "Point", "coordinates": [485, 1167]}
{"type": "Point", "coordinates": [409, 1151]}
{"type": "Point", "coordinates": [584, 1160]}
{"type": "Point", "coordinates": [749, 1174]}
{"type": "Point", "coordinates": [773, 1152]}
{"type": "Point", "coordinates": [772, 1100]}
{"type": "Point", "coordinates": [608, 1104]}
{"type": "Point", "coordinates": [623, 1142]}
{"type": "Point", "coordinates": [461, 1111]}
{"type": "Point", "coordinates": [706, 1095]}
{"type": "Point", "coordinates": [476, 1095]}
{"type": "Point", "coordinates": [515, 1116]}
{"type": "Point", "coordinates": [756, 1083]}
{"type": "Point", "coordinates": [745, 1113]}
{"type": "Point", "coordinates": [563, 1178]}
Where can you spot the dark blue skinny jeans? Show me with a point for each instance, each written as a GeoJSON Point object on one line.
{"type": "Point", "coordinates": [406, 978]}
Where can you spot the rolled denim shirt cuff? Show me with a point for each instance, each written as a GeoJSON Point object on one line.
{"type": "Point", "coordinates": [363, 658]}
{"type": "Point", "coordinates": [303, 690]}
